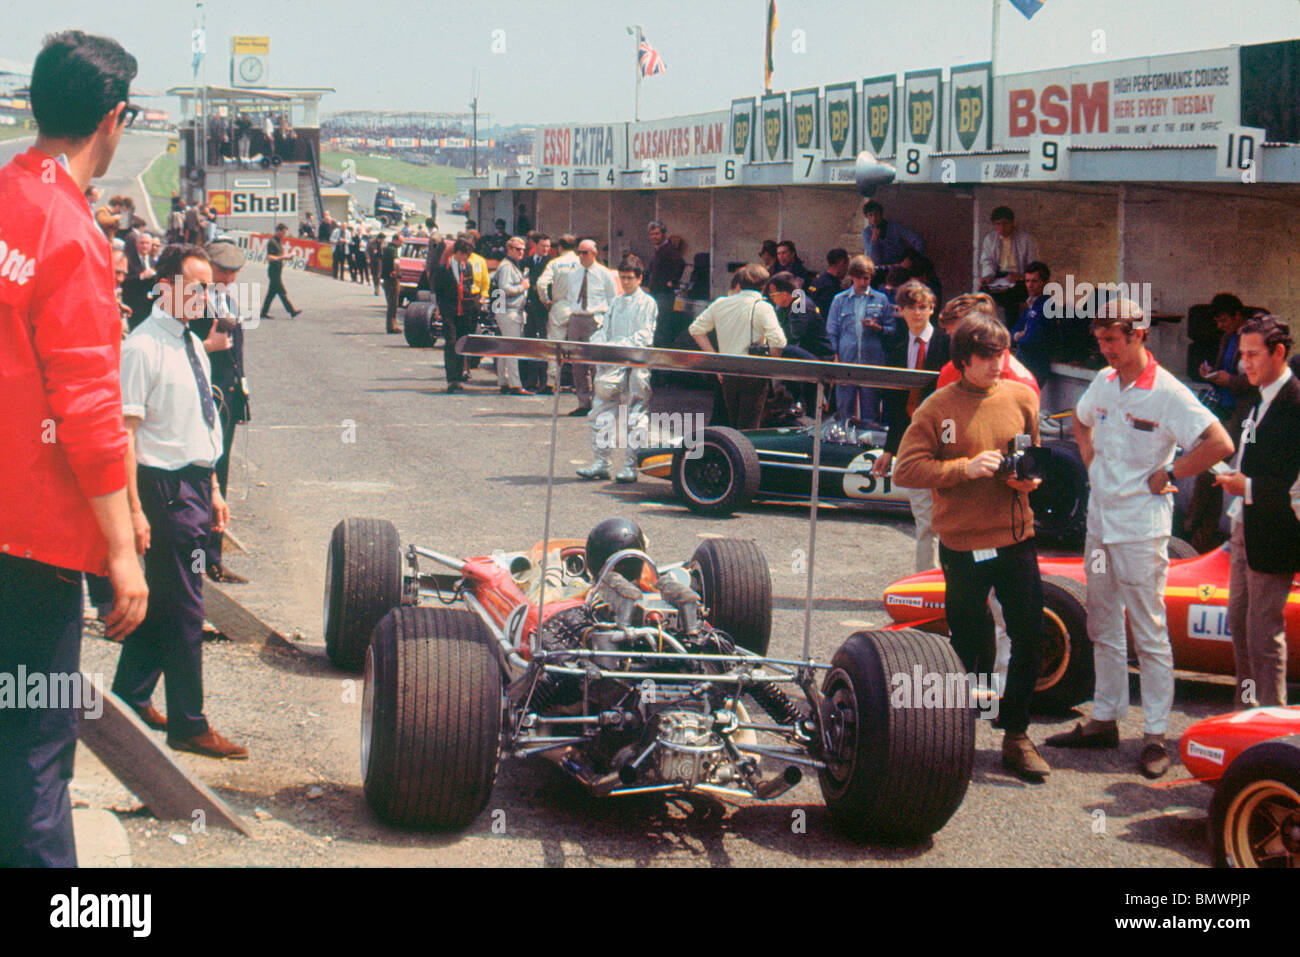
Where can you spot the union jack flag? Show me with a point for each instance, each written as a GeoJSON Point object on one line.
{"type": "Point", "coordinates": [649, 59]}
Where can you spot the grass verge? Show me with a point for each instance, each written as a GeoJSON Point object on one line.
{"type": "Point", "coordinates": [161, 180]}
{"type": "Point", "coordinates": [431, 179]}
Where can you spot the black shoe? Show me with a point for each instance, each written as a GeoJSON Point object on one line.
{"type": "Point", "coordinates": [264, 316]}
{"type": "Point", "coordinates": [546, 390]}
{"type": "Point", "coordinates": [295, 315]}
{"type": "Point", "coordinates": [220, 573]}
{"type": "Point", "coordinates": [454, 386]}
{"type": "Point", "coordinates": [580, 410]}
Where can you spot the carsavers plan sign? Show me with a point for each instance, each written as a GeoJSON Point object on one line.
{"type": "Point", "coordinates": [1177, 100]}
{"type": "Point", "coordinates": [702, 136]}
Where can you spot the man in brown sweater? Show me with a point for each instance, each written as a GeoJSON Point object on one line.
{"type": "Point", "coordinates": [955, 446]}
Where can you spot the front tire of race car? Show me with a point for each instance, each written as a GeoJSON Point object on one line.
{"type": "Point", "coordinates": [1179, 548]}
{"type": "Point", "coordinates": [417, 324]}
{"type": "Point", "coordinates": [899, 761]}
{"type": "Point", "coordinates": [430, 718]}
{"type": "Point", "coordinates": [1255, 813]}
{"type": "Point", "coordinates": [363, 580]}
{"type": "Point", "coordinates": [735, 585]}
{"type": "Point", "coordinates": [722, 478]}
{"type": "Point", "coordinates": [1066, 677]}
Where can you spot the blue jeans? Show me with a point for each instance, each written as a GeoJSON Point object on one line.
{"type": "Point", "coordinates": [40, 633]}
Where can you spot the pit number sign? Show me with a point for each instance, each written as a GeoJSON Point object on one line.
{"type": "Point", "coordinates": [1049, 157]}
{"type": "Point", "coordinates": [913, 163]}
{"type": "Point", "coordinates": [727, 171]}
{"type": "Point", "coordinates": [657, 173]}
{"type": "Point", "coordinates": [1238, 154]}
{"type": "Point", "coordinates": [807, 166]}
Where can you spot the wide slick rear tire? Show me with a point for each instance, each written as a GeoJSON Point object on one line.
{"type": "Point", "coordinates": [899, 765]}
{"type": "Point", "coordinates": [735, 585]}
{"type": "Point", "coordinates": [722, 478]}
{"type": "Point", "coordinates": [417, 324]}
{"type": "Point", "coordinates": [363, 580]}
{"type": "Point", "coordinates": [431, 718]}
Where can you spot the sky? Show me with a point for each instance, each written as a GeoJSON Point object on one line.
{"type": "Point", "coordinates": [573, 60]}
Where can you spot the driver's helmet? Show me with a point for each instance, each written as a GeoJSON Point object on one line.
{"type": "Point", "coordinates": [610, 536]}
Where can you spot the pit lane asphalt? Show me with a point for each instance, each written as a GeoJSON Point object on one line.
{"type": "Point", "coordinates": [349, 421]}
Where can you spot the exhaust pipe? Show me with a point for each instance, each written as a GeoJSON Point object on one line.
{"type": "Point", "coordinates": [779, 784]}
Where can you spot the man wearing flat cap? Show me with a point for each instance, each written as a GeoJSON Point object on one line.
{"type": "Point", "coordinates": [223, 338]}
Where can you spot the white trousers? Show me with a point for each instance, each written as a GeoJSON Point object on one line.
{"type": "Point", "coordinates": [927, 543]}
{"type": "Point", "coordinates": [557, 328]}
{"type": "Point", "coordinates": [511, 323]}
{"type": "Point", "coordinates": [616, 387]}
{"type": "Point", "coordinates": [1126, 581]}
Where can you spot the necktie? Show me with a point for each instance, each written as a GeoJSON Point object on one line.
{"type": "Point", "coordinates": [460, 290]}
{"type": "Point", "coordinates": [914, 396]}
{"type": "Point", "coordinates": [582, 293]}
{"type": "Point", "coordinates": [205, 390]}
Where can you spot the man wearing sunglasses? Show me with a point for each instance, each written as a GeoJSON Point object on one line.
{"type": "Point", "coordinates": [63, 474]}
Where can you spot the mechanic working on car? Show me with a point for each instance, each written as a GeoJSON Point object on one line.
{"type": "Point", "coordinates": [1127, 424]}
{"type": "Point", "coordinates": [955, 445]}
{"type": "Point", "coordinates": [630, 322]}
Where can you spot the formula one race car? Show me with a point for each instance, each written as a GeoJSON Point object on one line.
{"type": "Point", "coordinates": [1196, 610]}
{"type": "Point", "coordinates": [635, 677]}
{"type": "Point", "coordinates": [725, 470]}
{"type": "Point", "coordinates": [1253, 759]}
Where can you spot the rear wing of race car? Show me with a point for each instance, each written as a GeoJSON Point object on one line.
{"type": "Point", "coordinates": [683, 360]}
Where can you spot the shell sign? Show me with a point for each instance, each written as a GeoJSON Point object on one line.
{"type": "Point", "coordinates": [219, 199]}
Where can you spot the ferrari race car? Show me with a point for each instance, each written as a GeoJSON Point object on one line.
{"type": "Point", "coordinates": [1253, 759]}
{"type": "Point", "coordinates": [1196, 611]}
{"type": "Point", "coordinates": [727, 469]}
{"type": "Point", "coordinates": [631, 677]}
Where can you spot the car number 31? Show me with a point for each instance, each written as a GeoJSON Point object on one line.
{"type": "Point", "coordinates": [859, 482]}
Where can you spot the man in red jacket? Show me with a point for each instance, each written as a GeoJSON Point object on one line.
{"type": "Point", "coordinates": [63, 500]}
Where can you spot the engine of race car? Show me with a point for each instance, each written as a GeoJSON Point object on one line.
{"type": "Point", "coordinates": [651, 730]}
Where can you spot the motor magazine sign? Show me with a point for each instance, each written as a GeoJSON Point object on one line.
{"type": "Point", "coordinates": [772, 146]}
{"type": "Point", "coordinates": [1182, 99]}
{"type": "Point", "coordinates": [585, 147]}
{"type": "Point", "coordinates": [804, 119]}
{"type": "Point", "coordinates": [879, 115]}
{"type": "Point", "coordinates": [970, 98]}
{"type": "Point", "coordinates": [303, 253]}
{"type": "Point", "coordinates": [922, 108]}
{"type": "Point", "coordinates": [701, 136]}
{"type": "Point", "coordinates": [742, 128]}
{"type": "Point", "coordinates": [840, 121]}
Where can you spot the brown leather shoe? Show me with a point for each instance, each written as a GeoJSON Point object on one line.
{"type": "Point", "coordinates": [210, 745]}
{"type": "Point", "coordinates": [1154, 761]}
{"type": "Point", "coordinates": [220, 573]}
{"type": "Point", "coordinates": [1021, 758]}
{"type": "Point", "coordinates": [153, 717]}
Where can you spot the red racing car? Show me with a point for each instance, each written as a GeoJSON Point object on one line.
{"type": "Point", "coordinates": [1196, 607]}
{"type": "Point", "coordinates": [1253, 758]}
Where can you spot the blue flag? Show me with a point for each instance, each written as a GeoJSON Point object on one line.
{"type": "Point", "coordinates": [1028, 7]}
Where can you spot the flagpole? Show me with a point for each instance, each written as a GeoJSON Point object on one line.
{"type": "Point", "coordinates": [635, 31]}
{"type": "Point", "coordinates": [993, 46]}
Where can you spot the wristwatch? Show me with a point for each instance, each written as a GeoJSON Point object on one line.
{"type": "Point", "coordinates": [1169, 473]}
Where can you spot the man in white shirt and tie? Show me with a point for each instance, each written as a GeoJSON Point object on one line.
{"type": "Point", "coordinates": [592, 288]}
{"type": "Point", "coordinates": [175, 434]}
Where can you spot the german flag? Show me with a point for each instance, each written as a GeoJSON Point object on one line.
{"type": "Point", "coordinates": [768, 66]}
